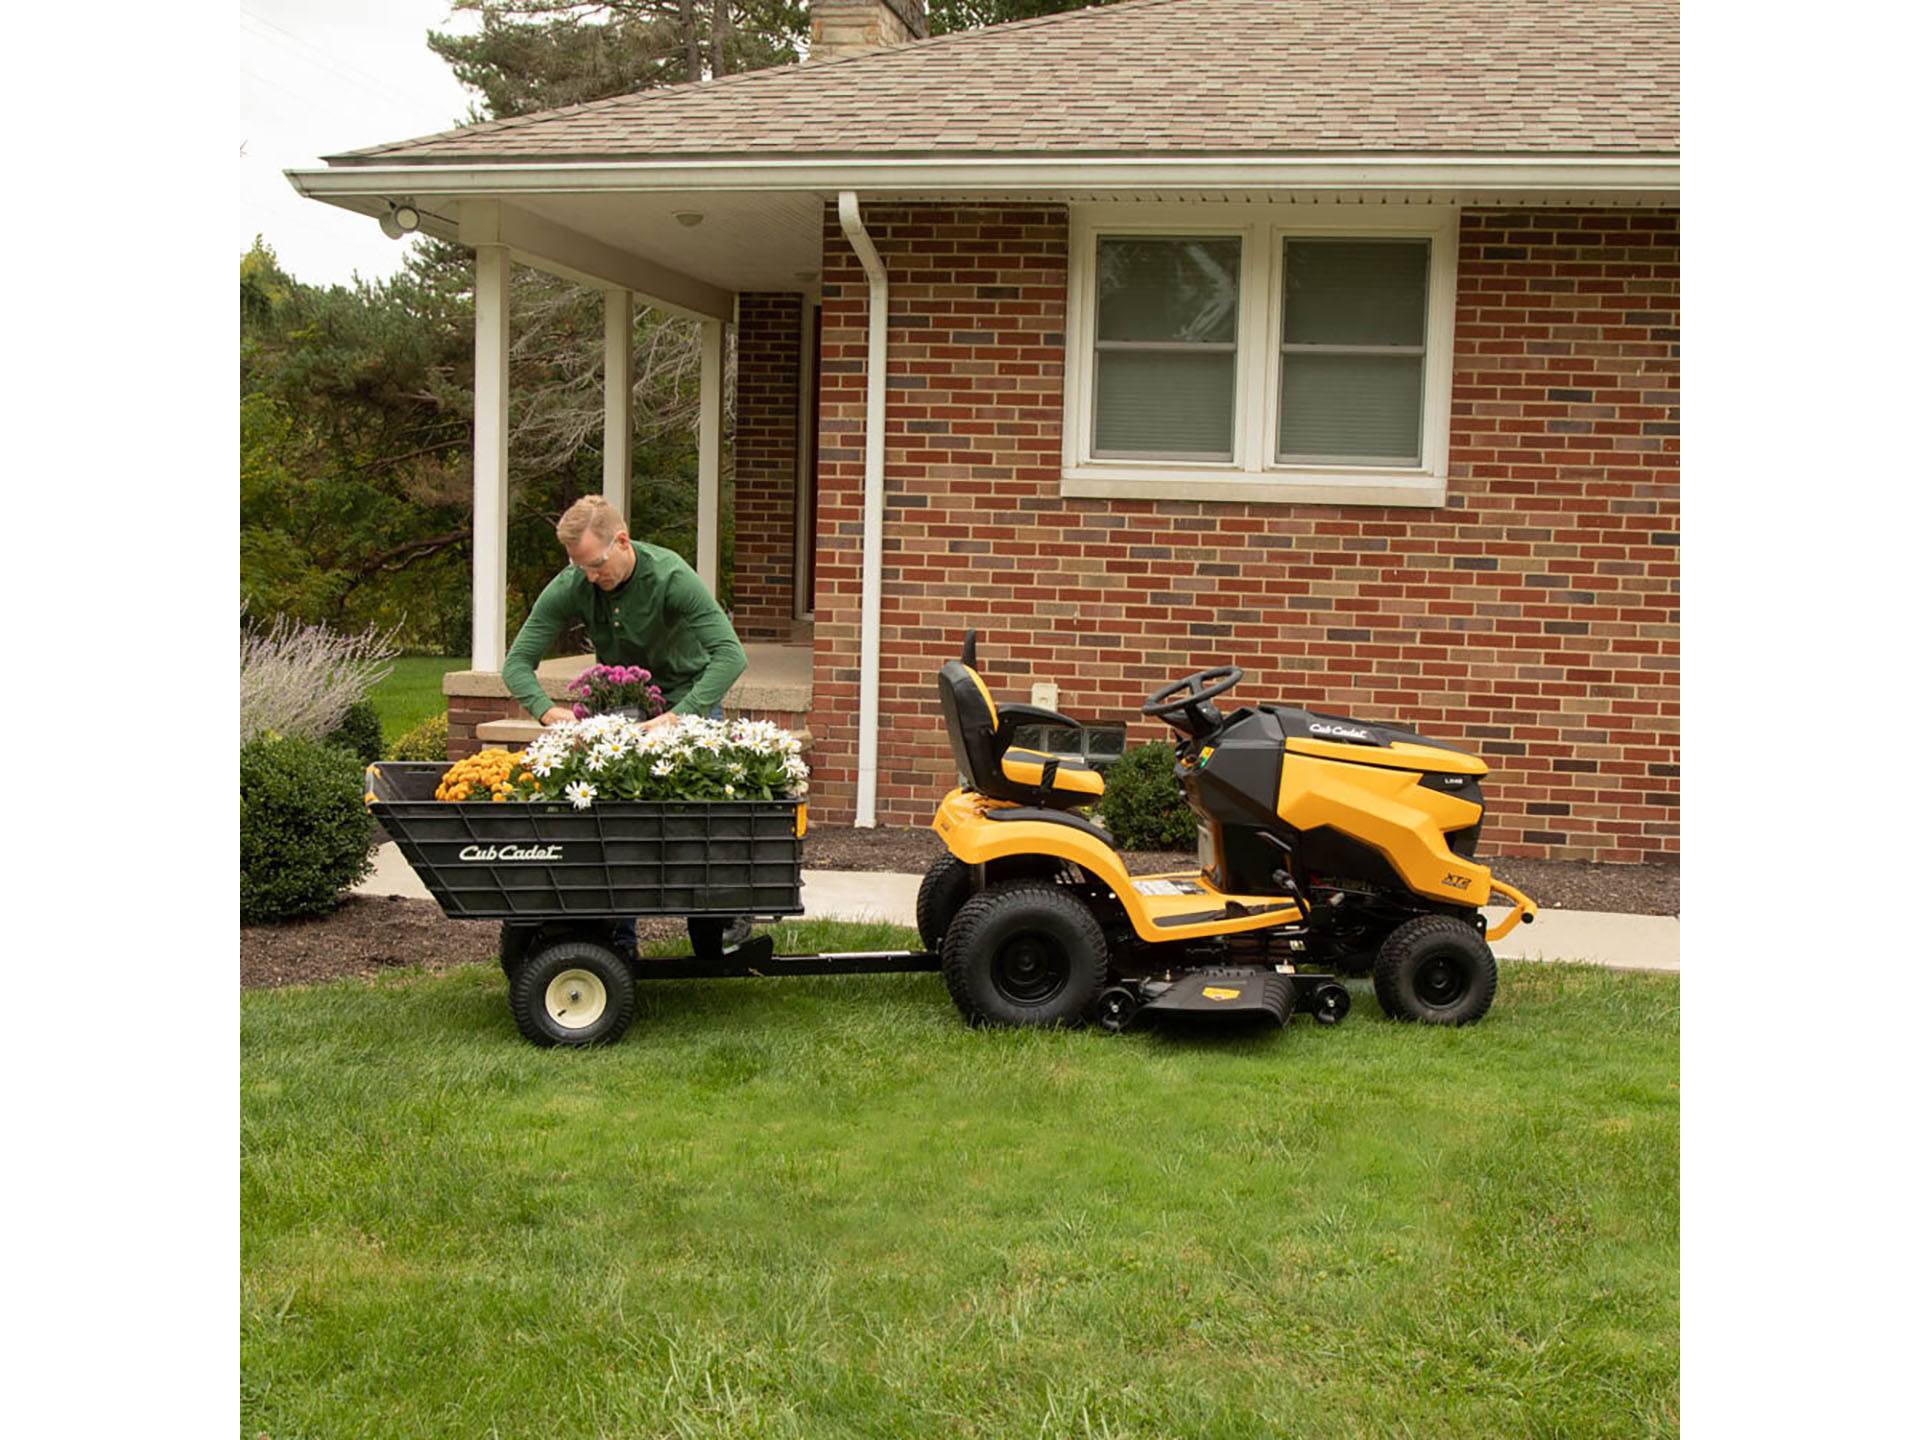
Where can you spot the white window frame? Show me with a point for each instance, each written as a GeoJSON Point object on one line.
{"type": "Point", "coordinates": [1254, 474]}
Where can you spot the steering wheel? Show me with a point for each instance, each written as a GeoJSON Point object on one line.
{"type": "Point", "coordinates": [1198, 688]}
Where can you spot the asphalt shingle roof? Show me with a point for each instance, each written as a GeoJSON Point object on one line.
{"type": "Point", "coordinates": [1550, 77]}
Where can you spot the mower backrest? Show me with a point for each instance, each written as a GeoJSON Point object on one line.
{"type": "Point", "coordinates": [971, 723]}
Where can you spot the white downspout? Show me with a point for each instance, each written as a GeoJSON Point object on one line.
{"type": "Point", "coordinates": [869, 774]}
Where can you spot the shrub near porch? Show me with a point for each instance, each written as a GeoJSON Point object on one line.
{"type": "Point", "coordinates": [820, 1207]}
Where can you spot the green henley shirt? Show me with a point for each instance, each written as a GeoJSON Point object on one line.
{"type": "Point", "coordinates": [661, 618]}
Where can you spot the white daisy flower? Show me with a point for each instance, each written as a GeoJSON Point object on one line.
{"type": "Point", "coordinates": [581, 794]}
{"type": "Point", "coordinates": [663, 767]}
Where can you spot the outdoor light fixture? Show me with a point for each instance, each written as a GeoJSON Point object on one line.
{"type": "Point", "coordinates": [399, 220]}
{"type": "Point", "coordinates": [688, 218]}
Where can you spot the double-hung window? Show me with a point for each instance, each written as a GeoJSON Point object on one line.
{"type": "Point", "coordinates": [1287, 357]}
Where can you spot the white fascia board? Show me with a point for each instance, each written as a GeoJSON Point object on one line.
{"type": "Point", "coordinates": [1003, 173]}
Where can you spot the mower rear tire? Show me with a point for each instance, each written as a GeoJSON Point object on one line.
{"type": "Point", "coordinates": [1436, 970]}
{"type": "Point", "coordinates": [573, 992]}
{"type": "Point", "coordinates": [943, 890]}
{"type": "Point", "coordinates": [1024, 954]}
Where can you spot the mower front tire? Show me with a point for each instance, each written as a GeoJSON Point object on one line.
{"type": "Point", "coordinates": [943, 890]}
{"type": "Point", "coordinates": [1437, 970]}
{"type": "Point", "coordinates": [1024, 954]}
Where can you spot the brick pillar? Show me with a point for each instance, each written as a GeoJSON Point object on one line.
{"type": "Point", "coordinates": [765, 454]}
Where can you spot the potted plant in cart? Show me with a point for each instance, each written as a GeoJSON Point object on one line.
{"type": "Point", "coordinates": [615, 690]}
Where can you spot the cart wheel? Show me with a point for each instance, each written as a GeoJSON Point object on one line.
{"type": "Point", "coordinates": [573, 993]}
{"type": "Point", "coordinates": [1024, 954]}
{"type": "Point", "coordinates": [1437, 970]}
{"type": "Point", "coordinates": [943, 890]}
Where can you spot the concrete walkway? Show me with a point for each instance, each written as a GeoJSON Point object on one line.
{"type": "Point", "coordinates": [1620, 942]}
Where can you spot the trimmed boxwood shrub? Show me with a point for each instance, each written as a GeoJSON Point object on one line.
{"type": "Point", "coordinates": [425, 741]}
{"type": "Point", "coordinates": [1143, 806]}
{"type": "Point", "coordinates": [305, 834]}
{"type": "Point", "coordinates": [359, 732]}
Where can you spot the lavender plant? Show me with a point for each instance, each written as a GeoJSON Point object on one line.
{"type": "Point", "coordinates": [302, 679]}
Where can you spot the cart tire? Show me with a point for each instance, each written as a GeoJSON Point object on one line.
{"type": "Point", "coordinates": [943, 890]}
{"type": "Point", "coordinates": [1025, 955]}
{"type": "Point", "coordinates": [573, 992]}
{"type": "Point", "coordinates": [1436, 970]}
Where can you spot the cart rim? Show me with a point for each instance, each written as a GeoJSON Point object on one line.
{"type": "Point", "coordinates": [576, 999]}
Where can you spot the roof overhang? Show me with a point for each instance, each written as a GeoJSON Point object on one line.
{"type": "Point", "coordinates": [613, 223]}
{"type": "Point", "coordinates": [1008, 174]}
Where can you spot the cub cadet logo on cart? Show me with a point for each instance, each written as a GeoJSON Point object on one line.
{"type": "Point", "coordinates": [511, 852]}
{"type": "Point", "coordinates": [1345, 732]}
{"type": "Point", "coordinates": [1220, 992]}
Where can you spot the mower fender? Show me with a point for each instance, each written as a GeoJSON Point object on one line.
{"type": "Point", "coordinates": [962, 824]}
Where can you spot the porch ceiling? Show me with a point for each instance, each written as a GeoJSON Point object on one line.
{"type": "Point", "coordinates": [745, 241]}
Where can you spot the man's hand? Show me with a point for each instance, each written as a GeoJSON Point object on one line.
{"type": "Point", "coordinates": [556, 715]}
{"type": "Point", "coordinates": [666, 717]}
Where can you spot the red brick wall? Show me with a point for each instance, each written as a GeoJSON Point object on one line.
{"type": "Point", "coordinates": [467, 713]}
{"type": "Point", "coordinates": [765, 448]}
{"type": "Point", "coordinates": [1533, 620]}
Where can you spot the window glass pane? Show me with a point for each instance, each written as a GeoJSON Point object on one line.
{"type": "Point", "coordinates": [1106, 743]}
{"type": "Point", "coordinates": [1362, 407]}
{"type": "Point", "coordinates": [1163, 402]}
{"type": "Point", "coordinates": [1356, 292]}
{"type": "Point", "coordinates": [1169, 289]}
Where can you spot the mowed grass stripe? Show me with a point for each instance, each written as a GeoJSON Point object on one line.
{"type": "Point", "coordinates": [821, 1207]}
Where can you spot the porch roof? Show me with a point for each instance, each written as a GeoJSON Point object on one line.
{"type": "Point", "coordinates": [1547, 78]}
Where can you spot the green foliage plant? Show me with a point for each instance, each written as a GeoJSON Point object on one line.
{"type": "Point", "coordinates": [305, 833]}
{"type": "Point", "coordinates": [425, 741]}
{"type": "Point", "coordinates": [358, 732]}
{"type": "Point", "coordinates": [1143, 806]}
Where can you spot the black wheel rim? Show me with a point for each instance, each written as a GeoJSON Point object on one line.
{"type": "Point", "coordinates": [1030, 969]}
{"type": "Point", "coordinates": [1440, 980]}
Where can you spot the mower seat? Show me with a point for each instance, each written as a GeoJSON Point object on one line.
{"type": "Point", "coordinates": [982, 737]}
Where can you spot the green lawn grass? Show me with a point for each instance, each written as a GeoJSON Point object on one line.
{"type": "Point", "coordinates": [825, 1207]}
{"type": "Point", "coordinates": [412, 692]}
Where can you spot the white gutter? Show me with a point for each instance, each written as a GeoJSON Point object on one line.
{"type": "Point", "coordinates": [1384, 173]}
{"type": "Point", "coordinates": [869, 775]}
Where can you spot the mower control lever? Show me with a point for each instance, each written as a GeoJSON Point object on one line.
{"type": "Point", "coordinates": [1199, 688]}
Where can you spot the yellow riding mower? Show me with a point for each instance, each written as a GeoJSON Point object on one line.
{"type": "Point", "coordinates": [1327, 847]}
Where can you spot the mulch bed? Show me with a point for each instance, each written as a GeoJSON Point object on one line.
{"type": "Point", "coordinates": [368, 935]}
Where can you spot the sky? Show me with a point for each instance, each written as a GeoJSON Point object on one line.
{"type": "Point", "coordinates": [321, 76]}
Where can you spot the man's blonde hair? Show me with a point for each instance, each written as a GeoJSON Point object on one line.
{"type": "Point", "coordinates": [589, 512]}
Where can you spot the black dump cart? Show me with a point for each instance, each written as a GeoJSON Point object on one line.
{"type": "Point", "coordinates": [560, 881]}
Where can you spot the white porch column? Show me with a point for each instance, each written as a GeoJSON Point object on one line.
{"type": "Point", "coordinates": [492, 266]}
{"type": "Point", "coordinates": [713, 360]}
{"type": "Point", "coordinates": [617, 465]}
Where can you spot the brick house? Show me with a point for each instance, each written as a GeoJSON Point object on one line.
{"type": "Point", "coordinates": [1338, 342]}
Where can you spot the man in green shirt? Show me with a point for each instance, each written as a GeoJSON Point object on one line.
{"type": "Point", "coordinates": [641, 605]}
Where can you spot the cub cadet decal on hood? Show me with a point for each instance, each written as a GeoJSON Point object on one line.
{"type": "Point", "coordinates": [1340, 732]}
